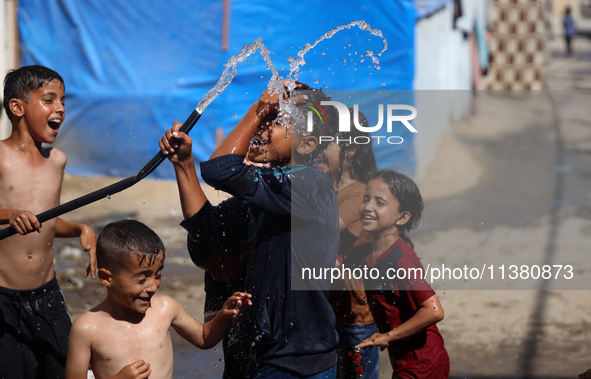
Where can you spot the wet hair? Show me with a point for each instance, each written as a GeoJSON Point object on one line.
{"type": "Point", "coordinates": [407, 193]}
{"type": "Point", "coordinates": [19, 83]}
{"type": "Point", "coordinates": [124, 237]}
{"type": "Point", "coordinates": [363, 163]}
{"type": "Point", "coordinates": [323, 126]}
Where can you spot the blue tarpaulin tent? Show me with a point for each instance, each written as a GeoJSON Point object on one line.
{"type": "Point", "coordinates": [131, 68]}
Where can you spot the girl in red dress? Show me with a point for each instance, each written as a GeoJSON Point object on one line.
{"type": "Point", "coordinates": [403, 305]}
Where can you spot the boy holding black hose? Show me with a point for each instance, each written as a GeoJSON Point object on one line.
{"type": "Point", "coordinates": [285, 214]}
{"type": "Point", "coordinates": [34, 320]}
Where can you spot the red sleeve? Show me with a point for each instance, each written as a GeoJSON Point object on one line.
{"type": "Point", "coordinates": [419, 289]}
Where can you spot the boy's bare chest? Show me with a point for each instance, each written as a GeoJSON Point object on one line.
{"type": "Point", "coordinates": [32, 187]}
{"type": "Point", "coordinates": [120, 344]}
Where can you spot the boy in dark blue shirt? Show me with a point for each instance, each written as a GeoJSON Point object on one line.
{"type": "Point", "coordinates": [283, 216]}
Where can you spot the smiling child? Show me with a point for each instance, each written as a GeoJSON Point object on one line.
{"type": "Point", "coordinates": [128, 334]}
{"type": "Point", "coordinates": [32, 305]}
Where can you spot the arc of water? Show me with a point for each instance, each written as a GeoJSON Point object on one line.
{"type": "Point", "coordinates": [295, 64]}
{"type": "Point", "coordinates": [230, 71]}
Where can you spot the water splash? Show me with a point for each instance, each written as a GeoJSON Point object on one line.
{"type": "Point", "coordinates": [275, 85]}
{"type": "Point", "coordinates": [230, 72]}
{"type": "Point", "coordinates": [295, 64]}
{"type": "Point", "coordinates": [286, 107]}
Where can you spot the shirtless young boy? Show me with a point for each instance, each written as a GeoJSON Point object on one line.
{"type": "Point", "coordinates": [34, 323]}
{"type": "Point", "coordinates": [128, 334]}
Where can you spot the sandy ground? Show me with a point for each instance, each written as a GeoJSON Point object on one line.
{"type": "Point", "coordinates": [509, 186]}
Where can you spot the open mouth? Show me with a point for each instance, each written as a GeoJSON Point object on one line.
{"type": "Point", "coordinates": [54, 123]}
{"type": "Point", "coordinates": [144, 300]}
{"type": "Point", "coordinates": [257, 142]}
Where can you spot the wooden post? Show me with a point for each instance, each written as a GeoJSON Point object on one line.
{"type": "Point", "coordinates": [9, 48]}
{"type": "Point", "coordinates": [225, 25]}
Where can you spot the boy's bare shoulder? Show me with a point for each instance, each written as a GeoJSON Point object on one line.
{"type": "Point", "coordinates": [56, 155]}
{"type": "Point", "coordinates": [8, 152]}
{"type": "Point", "coordinates": [92, 315]}
{"type": "Point", "coordinates": [167, 307]}
{"type": "Point", "coordinates": [89, 323]}
{"type": "Point", "coordinates": [164, 302]}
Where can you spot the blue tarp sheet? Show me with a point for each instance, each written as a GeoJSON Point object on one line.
{"type": "Point", "coordinates": [131, 67]}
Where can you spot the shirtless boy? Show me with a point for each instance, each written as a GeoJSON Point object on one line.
{"type": "Point", "coordinates": [34, 322]}
{"type": "Point", "coordinates": [128, 334]}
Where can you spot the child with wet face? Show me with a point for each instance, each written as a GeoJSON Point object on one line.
{"type": "Point", "coordinates": [284, 217]}
{"type": "Point", "coordinates": [128, 334]}
{"type": "Point", "coordinates": [405, 308]}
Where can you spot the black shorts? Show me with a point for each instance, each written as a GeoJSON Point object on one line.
{"type": "Point", "coordinates": [34, 329]}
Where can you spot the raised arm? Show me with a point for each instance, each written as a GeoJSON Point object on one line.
{"type": "Point", "coordinates": [177, 146]}
{"type": "Point", "coordinates": [238, 140]}
{"type": "Point", "coordinates": [208, 335]}
{"type": "Point", "coordinates": [65, 229]}
{"type": "Point", "coordinates": [430, 312]}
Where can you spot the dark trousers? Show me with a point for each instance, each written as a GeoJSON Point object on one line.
{"type": "Point", "coordinates": [34, 329]}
